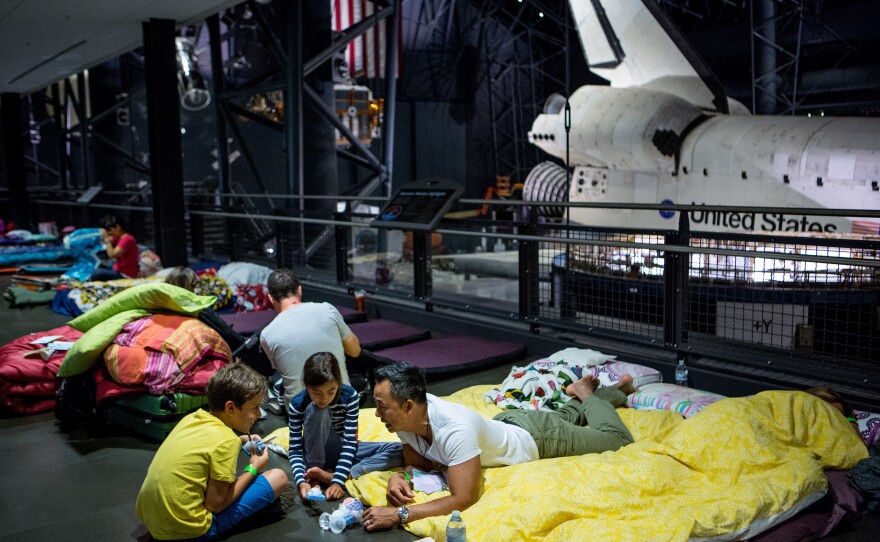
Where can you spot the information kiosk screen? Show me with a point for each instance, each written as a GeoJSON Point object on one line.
{"type": "Point", "coordinates": [418, 206]}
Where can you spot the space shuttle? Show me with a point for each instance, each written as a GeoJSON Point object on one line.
{"type": "Point", "coordinates": [663, 131]}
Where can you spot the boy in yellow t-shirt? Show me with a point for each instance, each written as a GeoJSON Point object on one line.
{"type": "Point", "coordinates": [191, 490]}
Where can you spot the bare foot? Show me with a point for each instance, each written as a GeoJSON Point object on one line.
{"type": "Point", "coordinates": [625, 384]}
{"type": "Point", "coordinates": [583, 388]}
{"type": "Point", "coordinates": [321, 475]}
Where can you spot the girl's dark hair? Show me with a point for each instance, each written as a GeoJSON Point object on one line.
{"type": "Point", "coordinates": [321, 368]}
{"type": "Point", "coordinates": [112, 220]}
{"type": "Point", "coordinates": [830, 396]}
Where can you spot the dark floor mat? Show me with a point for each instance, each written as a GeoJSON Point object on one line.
{"type": "Point", "coordinates": [248, 323]}
{"type": "Point", "coordinates": [453, 353]}
{"type": "Point", "coordinates": [351, 316]}
{"type": "Point", "coordinates": [381, 334]}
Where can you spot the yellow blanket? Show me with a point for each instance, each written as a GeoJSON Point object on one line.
{"type": "Point", "coordinates": [740, 466]}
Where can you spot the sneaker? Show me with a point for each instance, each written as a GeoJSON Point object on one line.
{"type": "Point", "coordinates": [274, 401]}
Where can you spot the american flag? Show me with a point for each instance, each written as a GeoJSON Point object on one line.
{"type": "Point", "coordinates": [866, 227]}
{"type": "Point", "coordinates": [366, 53]}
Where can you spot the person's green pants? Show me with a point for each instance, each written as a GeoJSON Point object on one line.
{"type": "Point", "coordinates": [562, 433]}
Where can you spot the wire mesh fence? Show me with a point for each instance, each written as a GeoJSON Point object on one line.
{"type": "Point", "coordinates": [815, 308]}
{"type": "Point", "coordinates": [604, 280]}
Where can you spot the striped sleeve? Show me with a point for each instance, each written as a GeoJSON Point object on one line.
{"type": "Point", "coordinates": [295, 414]}
{"type": "Point", "coordinates": [348, 407]}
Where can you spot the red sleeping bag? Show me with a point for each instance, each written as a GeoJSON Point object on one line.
{"type": "Point", "coordinates": [28, 384]}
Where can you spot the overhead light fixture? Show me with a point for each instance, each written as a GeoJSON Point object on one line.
{"type": "Point", "coordinates": [194, 93]}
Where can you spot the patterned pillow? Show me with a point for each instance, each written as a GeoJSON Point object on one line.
{"type": "Point", "coordinates": [685, 401]}
{"type": "Point", "coordinates": [210, 284]}
{"type": "Point", "coordinates": [252, 297]}
{"type": "Point", "coordinates": [869, 426]}
{"type": "Point", "coordinates": [148, 263]}
{"type": "Point", "coordinates": [609, 373]}
{"type": "Point", "coordinates": [540, 385]}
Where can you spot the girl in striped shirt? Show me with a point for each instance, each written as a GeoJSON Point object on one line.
{"type": "Point", "coordinates": [323, 421]}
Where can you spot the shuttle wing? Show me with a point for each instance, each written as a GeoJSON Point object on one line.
{"type": "Point", "coordinates": [633, 44]}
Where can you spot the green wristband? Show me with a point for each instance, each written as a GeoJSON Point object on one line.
{"type": "Point", "coordinates": [406, 476]}
{"type": "Point", "coordinates": [853, 420]}
{"type": "Point", "coordinates": [252, 470]}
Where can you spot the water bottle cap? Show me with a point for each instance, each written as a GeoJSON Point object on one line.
{"type": "Point", "coordinates": [324, 521]}
{"type": "Point", "coordinates": [456, 514]}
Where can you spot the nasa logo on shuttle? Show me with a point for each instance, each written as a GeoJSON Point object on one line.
{"type": "Point", "coordinates": [667, 213]}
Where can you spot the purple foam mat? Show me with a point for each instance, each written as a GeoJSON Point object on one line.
{"type": "Point", "coordinates": [453, 353]}
{"type": "Point", "coordinates": [381, 334]}
{"type": "Point", "coordinates": [247, 323]}
{"type": "Point", "coordinates": [842, 502]}
{"type": "Point", "coordinates": [351, 316]}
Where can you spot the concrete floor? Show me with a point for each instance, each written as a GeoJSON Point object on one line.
{"type": "Point", "coordinates": [81, 484]}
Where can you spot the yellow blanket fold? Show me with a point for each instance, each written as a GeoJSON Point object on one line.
{"type": "Point", "coordinates": [729, 473]}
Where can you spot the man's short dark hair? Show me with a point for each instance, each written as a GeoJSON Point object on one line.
{"type": "Point", "coordinates": [406, 382]}
{"type": "Point", "coordinates": [235, 382]}
{"type": "Point", "coordinates": [112, 220]}
{"type": "Point", "coordinates": [282, 284]}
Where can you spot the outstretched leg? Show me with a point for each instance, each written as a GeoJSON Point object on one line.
{"type": "Point", "coordinates": [373, 456]}
{"type": "Point", "coordinates": [588, 386]}
{"type": "Point", "coordinates": [562, 433]}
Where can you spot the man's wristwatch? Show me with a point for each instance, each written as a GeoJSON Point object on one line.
{"type": "Point", "coordinates": [403, 514]}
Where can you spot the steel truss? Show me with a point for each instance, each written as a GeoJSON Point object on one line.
{"type": "Point", "coordinates": [521, 48]}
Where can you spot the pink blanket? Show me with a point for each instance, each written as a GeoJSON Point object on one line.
{"type": "Point", "coordinates": [158, 354]}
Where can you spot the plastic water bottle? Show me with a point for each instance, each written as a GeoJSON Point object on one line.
{"type": "Point", "coordinates": [337, 521]}
{"type": "Point", "coordinates": [354, 507]}
{"type": "Point", "coordinates": [681, 374]}
{"type": "Point", "coordinates": [455, 529]}
{"type": "Point", "coordinates": [315, 494]}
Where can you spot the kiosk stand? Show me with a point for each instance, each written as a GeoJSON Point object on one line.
{"type": "Point", "coordinates": [418, 207]}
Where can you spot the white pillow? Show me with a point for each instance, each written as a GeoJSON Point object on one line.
{"type": "Point", "coordinates": [236, 273]}
{"type": "Point", "coordinates": [581, 356]}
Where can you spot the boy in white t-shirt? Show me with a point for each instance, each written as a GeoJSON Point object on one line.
{"type": "Point", "coordinates": [437, 432]}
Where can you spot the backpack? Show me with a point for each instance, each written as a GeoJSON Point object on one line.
{"type": "Point", "coordinates": [75, 400]}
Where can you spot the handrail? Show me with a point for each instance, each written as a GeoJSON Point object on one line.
{"type": "Point", "coordinates": [592, 242]}
{"type": "Point", "coordinates": [95, 205]}
{"type": "Point", "coordinates": [815, 211]}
